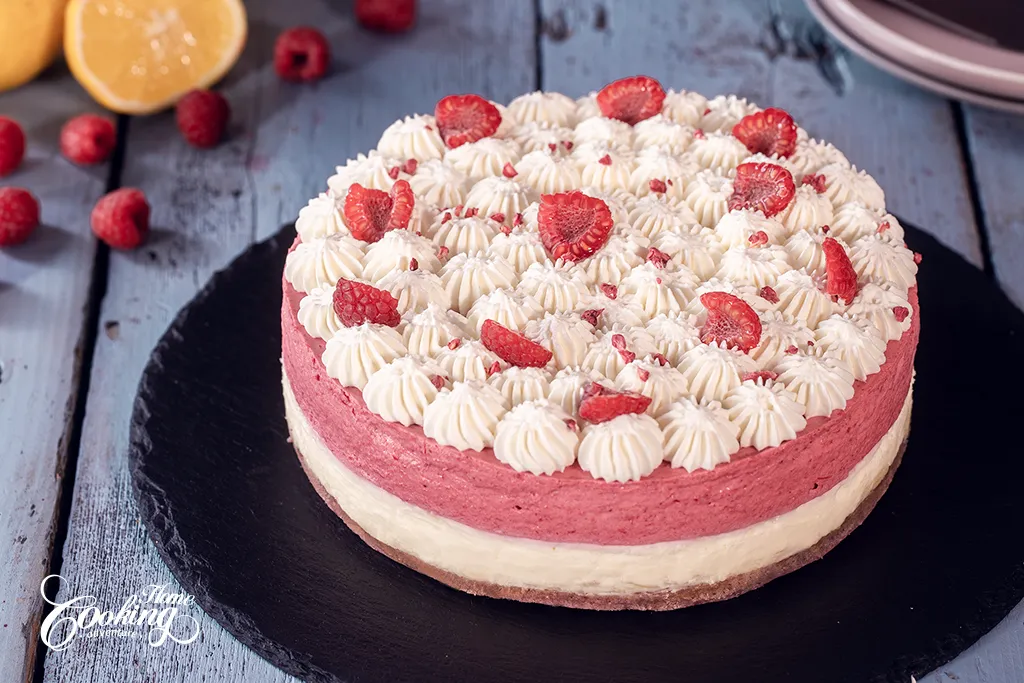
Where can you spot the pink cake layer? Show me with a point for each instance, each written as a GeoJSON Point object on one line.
{"type": "Point", "coordinates": [476, 489]}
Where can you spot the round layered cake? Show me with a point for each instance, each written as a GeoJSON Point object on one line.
{"type": "Point", "coordinates": [639, 350]}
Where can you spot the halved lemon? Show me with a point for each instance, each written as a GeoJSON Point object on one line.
{"type": "Point", "coordinates": [140, 56]}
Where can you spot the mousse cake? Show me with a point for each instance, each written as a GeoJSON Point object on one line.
{"type": "Point", "coordinates": [639, 350]}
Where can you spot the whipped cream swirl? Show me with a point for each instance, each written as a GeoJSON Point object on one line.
{"type": "Point", "coordinates": [401, 390]}
{"type": "Point", "coordinates": [698, 436]}
{"type": "Point", "coordinates": [766, 413]}
{"type": "Point", "coordinates": [465, 417]}
{"type": "Point", "coordinates": [354, 354]}
{"type": "Point", "coordinates": [536, 437]}
{"type": "Point", "coordinates": [622, 449]}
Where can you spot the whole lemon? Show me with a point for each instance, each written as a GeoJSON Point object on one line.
{"type": "Point", "coordinates": [30, 38]}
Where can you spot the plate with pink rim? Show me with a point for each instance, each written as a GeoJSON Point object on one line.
{"type": "Point", "coordinates": [894, 47]}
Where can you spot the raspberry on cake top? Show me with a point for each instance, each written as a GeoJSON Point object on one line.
{"type": "Point", "coordinates": [636, 280]}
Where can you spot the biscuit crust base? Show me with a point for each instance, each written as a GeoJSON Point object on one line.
{"type": "Point", "coordinates": [651, 600]}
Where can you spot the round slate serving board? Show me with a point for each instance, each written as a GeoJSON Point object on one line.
{"type": "Point", "coordinates": [936, 565]}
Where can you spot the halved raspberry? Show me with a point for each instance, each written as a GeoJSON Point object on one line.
{"type": "Point", "coordinates": [730, 320]}
{"type": "Point", "coordinates": [465, 118]}
{"type": "Point", "coordinates": [762, 186]}
{"type": "Point", "coordinates": [592, 315]}
{"type": "Point", "coordinates": [631, 99]}
{"type": "Point", "coordinates": [815, 181]}
{"type": "Point", "coordinates": [901, 313]}
{"type": "Point", "coordinates": [357, 303]}
{"type": "Point", "coordinates": [609, 290]}
{"type": "Point", "coordinates": [657, 257]}
{"type": "Point", "coordinates": [771, 132]}
{"type": "Point", "coordinates": [370, 213]}
{"type": "Point", "coordinates": [573, 225]}
{"type": "Point", "coordinates": [512, 347]}
{"type": "Point", "coordinates": [763, 375]}
{"type": "Point", "coordinates": [769, 294]}
{"type": "Point", "coordinates": [601, 404]}
{"type": "Point", "coordinates": [840, 277]}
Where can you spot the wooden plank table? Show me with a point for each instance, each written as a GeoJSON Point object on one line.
{"type": "Point", "coordinates": [959, 183]}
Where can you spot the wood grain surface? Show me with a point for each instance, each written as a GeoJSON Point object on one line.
{"type": "Point", "coordinates": [44, 285]}
{"type": "Point", "coordinates": [208, 206]}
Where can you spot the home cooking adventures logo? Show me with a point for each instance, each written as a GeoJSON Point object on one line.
{"type": "Point", "coordinates": [154, 613]}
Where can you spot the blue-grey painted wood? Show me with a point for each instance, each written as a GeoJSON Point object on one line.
{"type": "Point", "coordinates": [995, 141]}
{"type": "Point", "coordinates": [207, 207]}
{"type": "Point", "coordinates": [43, 288]}
{"type": "Point", "coordinates": [774, 54]}
{"type": "Point", "coordinates": [772, 58]}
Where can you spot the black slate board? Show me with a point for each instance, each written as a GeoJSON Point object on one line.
{"type": "Point", "coordinates": [937, 564]}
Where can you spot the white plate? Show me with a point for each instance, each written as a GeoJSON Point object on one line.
{"type": "Point", "coordinates": [907, 71]}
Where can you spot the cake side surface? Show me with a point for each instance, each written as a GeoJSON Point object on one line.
{"type": "Point", "coordinates": [681, 572]}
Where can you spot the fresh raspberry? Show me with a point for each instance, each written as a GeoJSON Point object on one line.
{"type": "Point", "coordinates": [370, 213]}
{"type": "Point", "coordinates": [619, 344]}
{"type": "Point", "coordinates": [763, 375]}
{"type": "Point", "coordinates": [657, 186]}
{"type": "Point", "coordinates": [840, 277]}
{"type": "Point", "coordinates": [730, 320]}
{"type": "Point", "coordinates": [631, 99]}
{"type": "Point", "coordinates": [601, 404]}
{"type": "Point", "coordinates": [762, 186]}
{"type": "Point", "coordinates": [512, 347]}
{"type": "Point", "coordinates": [573, 225]}
{"type": "Point", "coordinates": [357, 303]}
{"type": "Point", "coordinates": [301, 54]}
{"type": "Point", "coordinates": [901, 313]}
{"type": "Point", "coordinates": [815, 181]}
{"type": "Point", "coordinates": [758, 239]}
{"type": "Point", "coordinates": [203, 117]}
{"type": "Point", "coordinates": [467, 118]}
{"type": "Point", "coordinates": [12, 145]}
{"type": "Point", "coordinates": [88, 139]}
{"type": "Point", "coordinates": [19, 215]}
{"type": "Point", "coordinates": [121, 219]}
{"type": "Point", "coordinates": [509, 171]}
{"type": "Point", "coordinates": [657, 257]}
{"type": "Point", "coordinates": [592, 315]}
{"type": "Point", "coordinates": [387, 16]}
{"type": "Point", "coordinates": [769, 294]}
{"type": "Point", "coordinates": [609, 290]}
{"type": "Point", "coordinates": [771, 132]}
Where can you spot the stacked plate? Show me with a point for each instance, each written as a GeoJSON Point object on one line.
{"type": "Point", "coordinates": [926, 49]}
